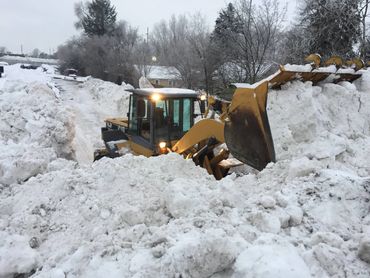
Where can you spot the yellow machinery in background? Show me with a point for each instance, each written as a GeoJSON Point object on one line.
{"type": "Point", "coordinates": [163, 120]}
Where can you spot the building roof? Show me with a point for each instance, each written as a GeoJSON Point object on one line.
{"type": "Point", "coordinates": [161, 72]}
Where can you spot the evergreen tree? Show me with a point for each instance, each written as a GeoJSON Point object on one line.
{"type": "Point", "coordinates": [331, 26]}
{"type": "Point", "coordinates": [227, 23]}
{"type": "Point", "coordinates": [97, 18]}
{"type": "Point", "coordinates": [246, 36]}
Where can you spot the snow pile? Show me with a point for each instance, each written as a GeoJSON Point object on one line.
{"type": "Point", "coordinates": [109, 96]}
{"type": "Point", "coordinates": [306, 215]}
{"type": "Point", "coordinates": [139, 217]}
{"type": "Point", "coordinates": [283, 262]}
{"type": "Point", "coordinates": [91, 103]}
{"type": "Point", "coordinates": [16, 74]}
{"type": "Point", "coordinates": [327, 123]}
{"type": "Point", "coordinates": [16, 255]}
{"type": "Point", "coordinates": [35, 128]}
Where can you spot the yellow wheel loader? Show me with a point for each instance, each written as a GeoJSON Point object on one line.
{"type": "Point", "coordinates": [163, 120]}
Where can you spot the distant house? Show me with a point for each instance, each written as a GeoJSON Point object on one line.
{"type": "Point", "coordinates": [162, 76]}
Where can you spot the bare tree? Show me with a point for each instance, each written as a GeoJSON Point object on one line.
{"type": "Point", "coordinates": [199, 38]}
{"type": "Point", "coordinates": [143, 57]}
{"type": "Point", "coordinates": [364, 13]}
{"type": "Point", "coordinates": [171, 43]}
{"type": "Point", "coordinates": [293, 47]}
{"type": "Point", "coordinates": [70, 55]}
{"type": "Point", "coordinates": [256, 43]}
{"type": "Point", "coordinates": [109, 57]}
{"type": "Point", "coordinates": [122, 49]}
{"type": "Point", "coordinates": [184, 42]}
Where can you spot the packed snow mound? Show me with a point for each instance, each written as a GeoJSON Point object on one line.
{"type": "Point", "coordinates": [35, 128]}
{"type": "Point", "coordinates": [164, 215]}
{"type": "Point", "coordinates": [109, 96]}
{"type": "Point", "coordinates": [327, 122]}
{"type": "Point", "coordinates": [305, 215]}
{"type": "Point", "coordinates": [16, 73]}
{"type": "Point", "coordinates": [271, 260]}
{"type": "Point", "coordinates": [91, 103]}
{"type": "Point", "coordinates": [16, 255]}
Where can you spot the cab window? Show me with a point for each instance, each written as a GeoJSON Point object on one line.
{"type": "Point", "coordinates": [187, 115]}
{"type": "Point", "coordinates": [133, 115]}
{"type": "Point", "coordinates": [173, 117]}
{"type": "Point", "coordinates": [139, 123]}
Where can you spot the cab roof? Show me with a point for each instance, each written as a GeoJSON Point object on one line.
{"type": "Point", "coordinates": [167, 92]}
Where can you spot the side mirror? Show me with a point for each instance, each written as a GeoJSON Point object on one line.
{"type": "Point", "coordinates": [140, 113]}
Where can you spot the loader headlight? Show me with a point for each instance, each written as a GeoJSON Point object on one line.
{"type": "Point", "coordinates": [162, 145]}
{"type": "Point", "coordinates": [155, 97]}
{"type": "Point", "coordinates": [203, 97]}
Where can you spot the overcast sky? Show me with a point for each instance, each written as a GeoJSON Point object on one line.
{"type": "Point", "coordinates": [45, 24]}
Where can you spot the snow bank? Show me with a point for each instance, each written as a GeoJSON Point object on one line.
{"type": "Point", "coordinates": [83, 226]}
{"type": "Point", "coordinates": [15, 73]}
{"type": "Point", "coordinates": [306, 215]}
{"type": "Point", "coordinates": [328, 122]}
{"type": "Point", "coordinates": [110, 97]}
{"type": "Point", "coordinates": [91, 103]}
{"type": "Point", "coordinates": [35, 127]}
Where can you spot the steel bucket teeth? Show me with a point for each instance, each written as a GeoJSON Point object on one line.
{"type": "Point", "coordinates": [317, 74]}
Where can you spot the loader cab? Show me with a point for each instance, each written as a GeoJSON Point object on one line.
{"type": "Point", "coordinates": [158, 118]}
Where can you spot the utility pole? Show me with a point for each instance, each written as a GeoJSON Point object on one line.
{"type": "Point", "coordinates": [147, 35]}
{"type": "Point", "coordinates": [21, 48]}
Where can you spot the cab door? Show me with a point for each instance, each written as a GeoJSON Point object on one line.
{"type": "Point", "coordinates": [139, 116]}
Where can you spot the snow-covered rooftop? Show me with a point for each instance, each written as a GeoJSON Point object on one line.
{"type": "Point", "coordinates": [162, 73]}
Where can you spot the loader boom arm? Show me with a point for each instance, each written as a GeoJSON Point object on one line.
{"type": "Point", "coordinates": [243, 126]}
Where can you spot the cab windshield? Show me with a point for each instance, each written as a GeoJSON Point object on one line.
{"type": "Point", "coordinates": [173, 118]}
{"type": "Point", "coordinates": [162, 120]}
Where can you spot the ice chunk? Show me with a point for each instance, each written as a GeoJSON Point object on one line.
{"type": "Point", "coordinates": [270, 261]}
{"type": "Point", "coordinates": [16, 256]}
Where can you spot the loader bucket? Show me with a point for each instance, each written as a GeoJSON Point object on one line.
{"type": "Point", "coordinates": [285, 76]}
{"type": "Point", "coordinates": [350, 77]}
{"type": "Point", "coordinates": [315, 76]}
{"type": "Point", "coordinates": [247, 130]}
